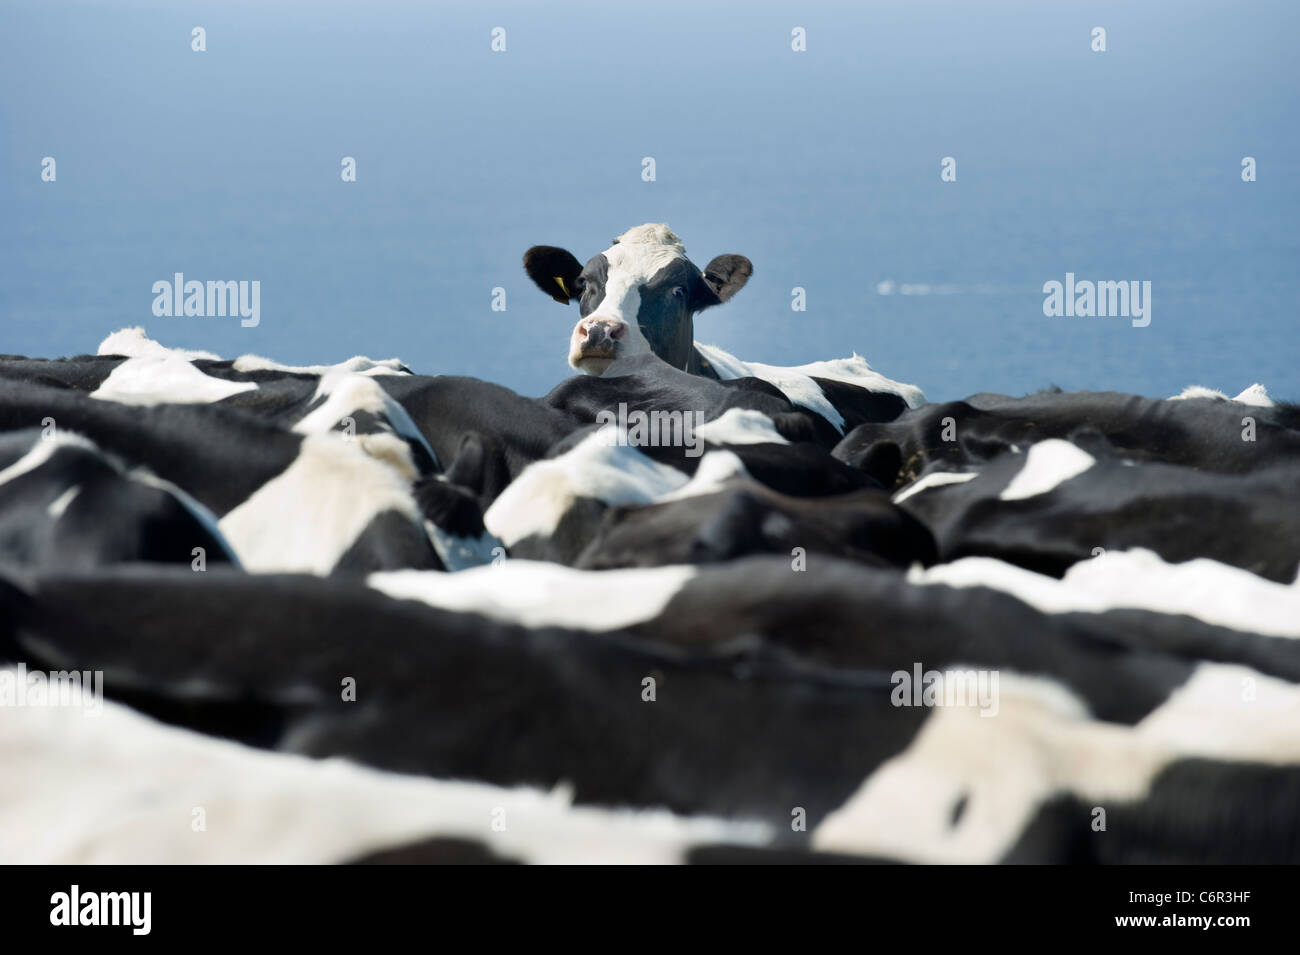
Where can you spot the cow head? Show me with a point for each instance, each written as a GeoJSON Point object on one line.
{"type": "Point", "coordinates": [640, 295]}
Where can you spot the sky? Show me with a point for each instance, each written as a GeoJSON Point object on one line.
{"type": "Point", "coordinates": [822, 165]}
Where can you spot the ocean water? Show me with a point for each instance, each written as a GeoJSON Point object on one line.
{"type": "Point", "coordinates": [822, 166]}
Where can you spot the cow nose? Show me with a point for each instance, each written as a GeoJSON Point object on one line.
{"type": "Point", "coordinates": [595, 330]}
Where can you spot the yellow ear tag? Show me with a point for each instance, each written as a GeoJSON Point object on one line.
{"type": "Point", "coordinates": [563, 288]}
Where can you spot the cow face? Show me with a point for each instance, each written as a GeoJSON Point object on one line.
{"type": "Point", "coordinates": [640, 295]}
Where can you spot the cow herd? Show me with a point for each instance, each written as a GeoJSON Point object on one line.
{"type": "Point", "coordinates": [683, 608]}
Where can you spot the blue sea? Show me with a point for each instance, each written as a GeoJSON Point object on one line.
{"type": "Point", "coordinates": [822, 166]}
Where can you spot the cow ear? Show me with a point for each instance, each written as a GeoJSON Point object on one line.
{"type": "Point", "coordinates": [726, 275]}
{"type": "Point", "coordinates": [554, 271]}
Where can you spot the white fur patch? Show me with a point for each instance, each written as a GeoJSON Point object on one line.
{"type": "Point", "coordinates": [652, 235]}
{"type": "Point", "coordinates": [134, 343]}
{"type": "Point", "coordinates": [542, 594]}
{"type": "Point", "coordinates": [534, 503]}
{"type": "Point", "coordinates": [165, 379]}
{"type": "Point", "coordinates": [715, 470]}
{"type": "Point", "coordinates": [305, 519]}
{"type": "Point", "coordinates": [350, 393]}
{"type": "Point", "coordinates": [1198, 391]}
{"type": "Point", "coordinates": [1048, 464]}
{"type": "Point", "coordinates": [120, 788]}
{"type": "Point", "coordinates": [358, 364]}
{"type": "Point", "coordinates": [932, 480]}
{"type": "Point", "coordinates": [1256, 395]}
{"type": "Point", "coordinates": [60, 504]}
{"type": "Point", "coordinates": [1137, 579]}
{"type": "Point", "coordinates": [740, 426]}
{"type": "Point", "coordinates": [796, 382]}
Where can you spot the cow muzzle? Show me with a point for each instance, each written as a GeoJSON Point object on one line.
{"type": "Point", "coordinates": [597, 342]}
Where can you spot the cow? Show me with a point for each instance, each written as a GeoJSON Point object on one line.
{"type": "Point", "coordinates": [733, 515]}
{"type": "Point", "coordinates": [509, 430]}
{"type": "Point", "coordinates": [80, 373]}
{"type": "Point", "coordinates": [314, 501]}
{"type": "Point", "coordinates": [1139, 579]}
{"type": "Point", "coordinates": [64, 773]}
{"type": "Point", "coordinates": [66, 504]}
{"type": "Point", "coordinates": [641, 296]}
{"type": "Point", "coordinates": [1056, 503]}
{"type": "Point", "coordinates": [1193, 782]}
{"type": "Point", "coordinates": [1196, 432]}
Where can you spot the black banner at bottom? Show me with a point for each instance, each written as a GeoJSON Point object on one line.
{"type": "Point", "coordinates": [331, 904]}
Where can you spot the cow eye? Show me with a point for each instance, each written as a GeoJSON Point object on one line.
{"type": "Point", "coordinates": [679, 291]}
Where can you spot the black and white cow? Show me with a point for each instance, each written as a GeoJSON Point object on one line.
{"type": "Point", "coordinates": [307, 500]}
{"type": "Point", "coordinates": [1198, 432]}
{"type": "Point", "coordinates": [724, 514]}
{"type": "Point", "coordinates": [1058, 502]}
{"type": "Point", "coordinates": [65, 772]}
{"type": "Point", "coordinates": [65, 504]}
{"type": "Point", "coordinates": [641, 296]}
